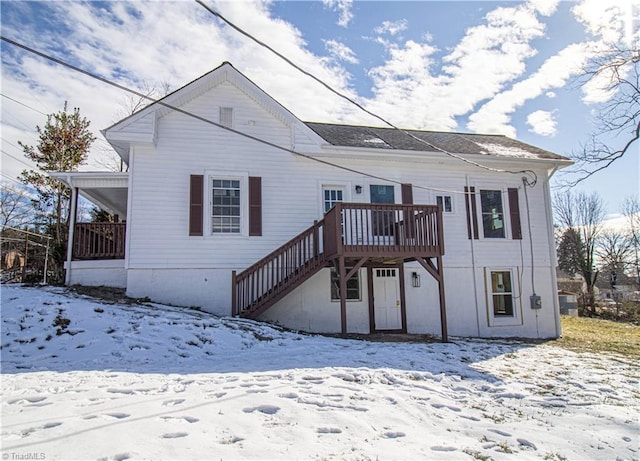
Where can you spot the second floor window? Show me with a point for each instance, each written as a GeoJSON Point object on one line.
{"type": "Point", "coordinates": [225, 216]}
{"type": "Point", "coordinates": [492, 213]}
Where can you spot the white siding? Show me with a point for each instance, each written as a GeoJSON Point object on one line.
{"type": "Point", "coordinates": [166, 264]}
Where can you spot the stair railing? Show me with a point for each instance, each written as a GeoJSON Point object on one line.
{"type": "Point", "coordinates": [274, 275]}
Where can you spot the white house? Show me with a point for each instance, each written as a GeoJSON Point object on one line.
{"type": "Point", "coordinates": [234, 205]}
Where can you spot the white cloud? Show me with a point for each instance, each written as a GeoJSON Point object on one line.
{"type": "Point", "coordinates": [343, 7]}
{"type": "Point", "coordinates": [550, 94]}
{"type": "Point", "coordinates": [611, 21]}
{"type": "Point", "coordinates": [391, 27]}
{"type": "Point", "coordinates": [466, 79]}
{"type": "Point", "coordinates": [542, 123]}
{"type": "Point", "coordinates": [495, 115]}
{"type": "Point", "coordinates": [341, 51]}
{"type": "Point", "coordinates": [545, 7]}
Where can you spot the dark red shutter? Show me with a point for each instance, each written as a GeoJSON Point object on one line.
{"type": "Point", "coordinates": [407, 194]}
{"type": "Point", "coordinates": [196, 202]}
{"type": "Point", "coordinates": [255, 206]}
{"type": "Point", "coordinates": [514, 214]}
{"type": "Point", "coordinates": [470, 207]}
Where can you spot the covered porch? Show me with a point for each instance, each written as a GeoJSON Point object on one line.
{"type": "Point", "coordinates": [97, 250]}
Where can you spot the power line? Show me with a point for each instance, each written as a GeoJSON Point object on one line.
{"type": "Point", "coordinates": [18, 159]}
{"type": "Point", "coordinates": [198, 117]}
{"type": "Point", "coordinates": [358, 105]}
{"type": "Point", "coordinates": [22, 104]}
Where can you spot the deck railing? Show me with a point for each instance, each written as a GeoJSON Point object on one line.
{"type": "Point", "coordinates": [99, 240]}
{"type": "Point", "coordinates": [383, 230]}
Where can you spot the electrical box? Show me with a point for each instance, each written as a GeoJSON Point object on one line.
{"type": "Point", "coordinates": [536, 302]}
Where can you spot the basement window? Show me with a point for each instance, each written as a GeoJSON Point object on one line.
{"type": "Point", "coordinates": [353, 286]}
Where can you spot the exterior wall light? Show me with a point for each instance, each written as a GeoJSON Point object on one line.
{"type": "Point", "coordinates": [415, 279]}
{"type": "Point", "coordinates": [358, 189]}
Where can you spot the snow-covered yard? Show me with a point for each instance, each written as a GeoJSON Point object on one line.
{"type": "Point", "coordinates": [82, 379]}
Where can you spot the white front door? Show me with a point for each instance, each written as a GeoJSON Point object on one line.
{"type": "Point", "coordinates": [386, 299]}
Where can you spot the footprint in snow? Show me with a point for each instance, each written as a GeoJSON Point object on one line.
{"type": "Point", "coordinates": [526, 444]}
{"type": "Point", "coordinates": [393, 435]}
{"type": "Point", "coordinates": [439, 448]}
{"type": "Point", "coordinates": [188, 419]}
{"type": "Point", "coordinates": [118, 415]}
{"type": "Point", "coordinates": [27, 400]}
{"type": "Point", "coordinates": [51, 425]}
{"type": "Point", "coordinates": [174, 435]}
{"type": "Point", "coordinates": [288, 395]}
{"type": "Point", "coordinates": [266, 409]}
{"type": "Point", "coordinates": [171, 403]}
{"type": "Point", "coordinates": [499, 432]}
{"type": "Point", "coordinates": [328, 430]}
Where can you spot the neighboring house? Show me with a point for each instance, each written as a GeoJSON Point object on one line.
{"type": "Point", "coordinates": [402, 238]}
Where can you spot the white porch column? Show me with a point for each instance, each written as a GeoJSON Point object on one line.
{"type": "Point", "coordinates": [72, 227]}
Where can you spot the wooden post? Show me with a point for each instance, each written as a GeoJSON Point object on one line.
{"type": "Point", "coordinates": [234, 296]}
{"type": "Point", "coordinates": [443, 308]}
{"type": "Point", "coordinates": [71, 236]}
{"type": "Point", "coordinates": [342, 273]}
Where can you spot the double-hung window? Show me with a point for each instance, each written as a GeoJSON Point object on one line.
{"type": "Point", "coordinates": [492, 213]}
{"type": "Point", "coordinates": [226, 206]}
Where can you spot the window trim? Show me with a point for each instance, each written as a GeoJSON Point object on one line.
{"type": "Point", "coordinates": [346, 193]}
{"type": "Point", "coordinates": [503, 320]}
{"type": "Point", "coordinates": [477, 200]}
{"type": "Point", "coordinates": [243, 177]}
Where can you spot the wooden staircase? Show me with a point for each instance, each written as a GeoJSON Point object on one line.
{"type": "Point", "coordinates": [350, 234]}
{"type": "Point", "coordinates": [270, 279]}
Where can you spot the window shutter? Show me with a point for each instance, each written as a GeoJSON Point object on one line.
{"type": "Point", "coordinates": [407, 194]}
{"type": "Point", "coordinates": [472, 212]}
{"type": "Point", "coordinates": [514, 214]}
{"type": "Point", "coordinates": [255, 206]}
{"type": "Point", "coordinates": [196, 201]}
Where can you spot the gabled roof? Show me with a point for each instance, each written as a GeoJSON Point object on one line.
{"type": "Point", "coordinates": [458, 143]}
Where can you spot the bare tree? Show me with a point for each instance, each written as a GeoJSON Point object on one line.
{"type": "Point", "coordinates": [616, 72]}
{"type": "Point", "coordinates": [129, 105]}
{"type": "Point", "coordinates": [583, 215]}
{"type": "Point", "coordinates": [631, 210]}
{"type": "Point", "coordinates": [614, 251]}
{"type": "Point", "coordinates": [16, 209]}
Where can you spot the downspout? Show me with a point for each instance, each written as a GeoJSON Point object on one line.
{"type": "Point", "coordinates": [473, 265]}
{"type": "Point", "coordinates": [552, 252]}
{"type": "Point", "coordinates": [72, 227]}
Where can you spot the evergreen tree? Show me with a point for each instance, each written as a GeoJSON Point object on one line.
{"type": "Point", "coordinates": [63, 145]}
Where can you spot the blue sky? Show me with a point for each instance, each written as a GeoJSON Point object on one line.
{"type": "Point", "coordinates": [474, 66]}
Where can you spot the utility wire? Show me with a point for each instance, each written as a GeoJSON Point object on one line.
{"type": "Point", "coordinates": [18, 159]}
{"type": "Point", "coordinates": [358, 105]}
{"type": "Point", "coordinates": [205, 120]}
{"type": "Point", "coordinates": [22, 104]}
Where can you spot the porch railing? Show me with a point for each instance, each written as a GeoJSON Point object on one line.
{"type": "Point", "coordinates": [383, 230]}
{"type": "Point", "coordinates": [100, 240]}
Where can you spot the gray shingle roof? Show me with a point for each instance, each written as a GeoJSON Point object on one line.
{"type": "Point", "coordinates": [458, 143]}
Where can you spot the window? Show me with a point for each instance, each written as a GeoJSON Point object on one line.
{"type": "Point", "coordinates": [225, 213]}
{"type": "Point", "coordinates": [226, 116]}
{"type": "Point", "coordinates": [331, 196]}
{"type": "Point", "coordinates": [492, 213]}
{"type": "Point", "coordinates": [444, 202]}
{"type": "Point", "coordinates": [353, 286]}
{"type": "Point", "coordinates": [502, 293]}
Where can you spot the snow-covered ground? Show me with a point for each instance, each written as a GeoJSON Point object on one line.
{"type": "Point", "coordinates": [82, 379]}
